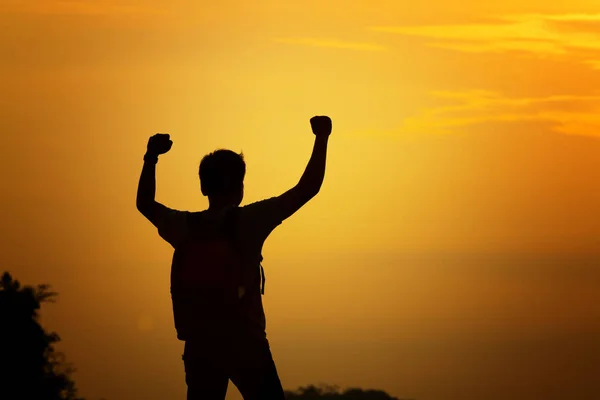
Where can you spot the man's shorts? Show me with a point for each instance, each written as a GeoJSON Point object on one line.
{"type": "Point", "coordinates": [246, 361]}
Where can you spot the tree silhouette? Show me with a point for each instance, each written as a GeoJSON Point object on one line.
{"type": "Point", "coordinates": [30, 367]}
{"type": "Point", "coordinates": [327, 392]}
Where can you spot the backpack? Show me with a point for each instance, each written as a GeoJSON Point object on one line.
{"type": "Point", "coordinates": [208, 276]}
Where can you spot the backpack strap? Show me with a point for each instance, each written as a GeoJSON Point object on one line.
{"type": "Point", "coordinates": [231, 225]}
{"type": "Point", "coordinates": [232, 232]}
{"type": "Point", "coordinates": [262, 276]}
{"type": "Point", "coordinates": [232, 221]}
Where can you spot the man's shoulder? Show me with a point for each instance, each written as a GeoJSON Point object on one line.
{"type": "Point", "coordinates": [260, 208]}
{"type": "Point", "coordinates": [265, 213]}
{"type": "Point", "coordinates": [173, 225]}
{"type": "Point", "coordinates": [260, 204]}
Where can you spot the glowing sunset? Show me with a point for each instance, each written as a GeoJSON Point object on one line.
{"type": "Point", "coordinates": [452, 251]}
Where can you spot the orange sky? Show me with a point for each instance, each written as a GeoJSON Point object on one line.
{"type": "Point", "coordinates": [453, 250]}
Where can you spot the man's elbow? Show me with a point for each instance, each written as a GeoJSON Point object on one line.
{"type": "Point", "coordinates": [315, 191]}
{"type": "Point", "coordinates": [144, 207]}
{"type": "Point", "coordinates": [310, 191]}
{"type": "Point", "coordinates": [139, 204]}
{"type": "Point", "coordinates": [309, 187]}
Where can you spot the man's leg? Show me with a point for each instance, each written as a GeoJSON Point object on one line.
{"type": "Point", "coordinates": [205, 373]}
{"type": "Point", "coordinates": [254, 372]}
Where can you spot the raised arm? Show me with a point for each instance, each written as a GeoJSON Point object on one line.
{"type": "Point", "coordinates": [312, 179]}
{"type": "Point", "coordinates": [145, 202]}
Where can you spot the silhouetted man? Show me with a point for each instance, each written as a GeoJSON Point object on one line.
{"type": "Point", "coordinates": [216, 273]}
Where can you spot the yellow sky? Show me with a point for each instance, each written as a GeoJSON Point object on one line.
{"type": "Point", "coordinates": [453, 250]}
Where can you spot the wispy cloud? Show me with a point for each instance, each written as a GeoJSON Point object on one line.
{"type": "Point", "coordinates": [78, 7]}
{"type": "Point", "coordinates": [595, 64]}
{"type": "Point", "coordinates": [540, 34]}
{"type": "Point", "coordinates": [567, 114]}
{"type": "Point", "coordinates": [335, 43]}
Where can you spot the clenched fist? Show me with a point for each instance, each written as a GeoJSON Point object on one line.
{"type": "Point", "coordinates": [159, 144]}
{"type": "Point", "coordinates": [321, 125]}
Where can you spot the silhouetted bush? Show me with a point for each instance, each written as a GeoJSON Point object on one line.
{"type": "Point", "coordinates": [328, 392]}
{"type": "Point", "coordinates": [30, 367]}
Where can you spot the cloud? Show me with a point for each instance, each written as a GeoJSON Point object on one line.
{"type": "Point", "coordinates": [539, 34]}
{"type": "Point", "coordinates": [578, 115]}
{"type": "Point", "coordinates": [335, 43]}
{"type": "Point", "coordinates": [574, 37]}
{"type": "Point", "coordinates": [594, 64]}
{"type": "Point", "coordinates": [77, 7]}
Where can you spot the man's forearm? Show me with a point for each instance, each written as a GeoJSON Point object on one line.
{"type": "Point", "coordinates": [146, 186]}
{"type": "Point", "coordinates": [313, 176]}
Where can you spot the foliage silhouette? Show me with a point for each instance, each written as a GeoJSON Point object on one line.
{"type": "Point", "coordinates": [30, 367]}
{"type": "Point", "coordinates": [327, 392]}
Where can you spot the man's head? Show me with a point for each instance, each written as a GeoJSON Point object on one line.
{"type": "Point", "coordinates": [222, 176]}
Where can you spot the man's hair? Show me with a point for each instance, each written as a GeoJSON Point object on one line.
{"type": "Point", "coordinates": [222, 172]}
